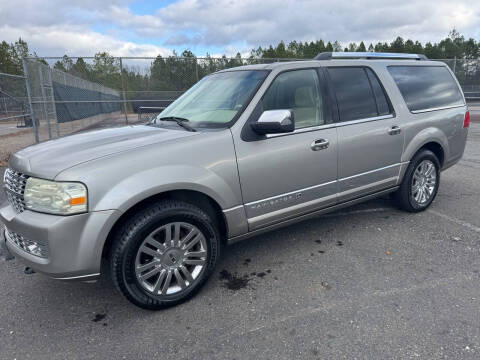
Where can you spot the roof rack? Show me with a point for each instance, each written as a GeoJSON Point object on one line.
{"type": "Point", "coordinates": [367, 55]}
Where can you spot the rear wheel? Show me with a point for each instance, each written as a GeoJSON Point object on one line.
{"type": "Point", "coordinates": [420, 183]}
{"type": "Point", "coordinates": [164, 254]}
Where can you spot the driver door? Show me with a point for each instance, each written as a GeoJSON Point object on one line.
{"type": "Point", "coordinates": [287, 175]}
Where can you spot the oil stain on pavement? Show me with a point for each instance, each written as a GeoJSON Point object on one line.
{"type": "Point", "coordinates": [234, 281]}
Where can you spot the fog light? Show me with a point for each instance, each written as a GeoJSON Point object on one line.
{"type": "Point", "coordinates": [35, 248]}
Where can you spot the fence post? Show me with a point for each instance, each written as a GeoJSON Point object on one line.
{"type": "Point", "coordinates": [123, 92]}
{"type": "Point", "coordinates": [454, 63]}
{"type": "Point", "coordinates": [44, 99]}
{"type": "Point", "coordinates": [54, 105]}
{"type": "Point", "coordinates": [5, 104]}
{"type": "Point", "coordinates": [196, 68]}
{"type": "Point", "coordinates": [65, 83]}
{"type": "Point", "coordinates": [27, 83]}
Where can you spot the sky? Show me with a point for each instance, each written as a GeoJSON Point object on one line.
{"type": "Point", "coordinates": [157, 27]}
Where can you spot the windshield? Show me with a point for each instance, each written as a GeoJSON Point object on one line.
{"type": "Point", "coordinates": [216, 99]}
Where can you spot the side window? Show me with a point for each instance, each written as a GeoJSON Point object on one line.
{"type": "Point", "coordinates": [358, 96]}
{"type": "Point", "coordinates": [298, 91]}
{"type": "Point", "coordinates": [382, 104]}
{"type": "Point", "coordinates": [426, 87]}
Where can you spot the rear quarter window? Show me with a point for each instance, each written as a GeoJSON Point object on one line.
{"type": "Point", "coordinates": [426, 87]}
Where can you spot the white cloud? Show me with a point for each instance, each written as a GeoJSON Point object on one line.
{"type": "Point", "coordinates": [55, 27]}
{"type": "Point", "coordinates": [58, 27]}
{"type": "Point", "coordinates": [223, 22]}
{"type": "Point", "coordinates": [77, 41]}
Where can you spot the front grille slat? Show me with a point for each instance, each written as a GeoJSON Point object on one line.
{"type": "Point", "coordinates": [14, 188]}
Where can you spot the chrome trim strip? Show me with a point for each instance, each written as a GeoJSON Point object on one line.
{"type": "Point", "coordinates": [303, 130]}
{"type": "Point", "coordinates": [78, 277]}
{"type": "Point", "coordinates": [359, 121]}
{"type": "Point", "coordinates": [232, 209]}
{"type": "Point", "coordinates": [331, 126]}
{"type": "Point", "coordinates": [437, 108]}
{"type": "Point", "coordinates": [290, 193]}
{"type": "Point", "coordinates": [364, 187]}
{"type": "Point", "coordinates": [275, 213]}
{"type": "Point", "coordinates": [369, 172]}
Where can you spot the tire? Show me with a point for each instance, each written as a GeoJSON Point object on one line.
{"type": "Point", "coordinates": [407, 198]}
{"type": "Point", "coordinates": [143, 259]}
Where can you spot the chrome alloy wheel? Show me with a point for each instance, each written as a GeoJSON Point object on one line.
{"type": "Point", "coordinates": [424, 182]}
{"type": "Point", "coordinates": [171, 258]}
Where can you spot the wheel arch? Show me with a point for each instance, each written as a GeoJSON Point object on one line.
{"type": "Point", "coordinates": [194, 197]}
{"type": "Point", "coordinates": [430, 138]}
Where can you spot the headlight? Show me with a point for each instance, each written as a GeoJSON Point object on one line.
{"type": "Point", "coordinates": [61, 198]}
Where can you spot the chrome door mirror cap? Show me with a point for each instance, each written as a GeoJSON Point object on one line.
{"type": "Point", "coordinates": [274, 122]}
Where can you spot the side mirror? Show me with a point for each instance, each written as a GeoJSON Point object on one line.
{"type": "Point", "coordinates": [274, 122]}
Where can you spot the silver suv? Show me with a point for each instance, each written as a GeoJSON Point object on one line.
{"type": "Point", "coordinates": [243, 151]}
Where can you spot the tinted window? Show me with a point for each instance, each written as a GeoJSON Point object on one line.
{"type": "Point", "coordinates": [298, 91]}
{"type": "Point", "coordinates": [426, 87]}
{"type": "Point", "coordinates": [382, 104]}
{"type": "Point", "coordinates": [354, 94]}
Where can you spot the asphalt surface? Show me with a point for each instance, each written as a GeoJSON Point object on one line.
{"type": "Point", "coordinates": [368, 282]}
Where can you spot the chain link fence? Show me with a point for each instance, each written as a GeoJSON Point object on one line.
{"type": "Point", "coordinates": [13, 101]}
{"type": "Point", "coordinates": [60, 96]}
{"type": "Point", "coordinates": [15, 115]}
{"type": "Point", "coordinates": [468, 74]}
{"type": "Point", "coordinates": [62, 103]}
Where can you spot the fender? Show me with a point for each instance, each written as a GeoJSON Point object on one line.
{"type": "Point", "coordinates": [142, 185]}
{"type": "Point", "coordinates": [430, 134]}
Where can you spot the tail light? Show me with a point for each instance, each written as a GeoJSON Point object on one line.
{"type": "Point", "coordinates": [466, 120]}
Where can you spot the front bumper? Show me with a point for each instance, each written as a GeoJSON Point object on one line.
{"type": "Point", "coordinates": [75, 242]}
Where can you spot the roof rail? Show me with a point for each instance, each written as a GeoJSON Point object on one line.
{"type": "Point", "coordinates": [367, 55]}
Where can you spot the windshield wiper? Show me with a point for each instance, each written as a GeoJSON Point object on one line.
{"type": "Point", "coordinates": [180, 121]}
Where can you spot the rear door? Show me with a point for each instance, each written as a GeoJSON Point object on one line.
{"type": "Point", "coordinates": [370, 138]}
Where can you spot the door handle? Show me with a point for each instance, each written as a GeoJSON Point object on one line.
{"type": "Point", "coordinates": [394, 130]}
{"type": "Point", "coordinates": [319, 144]}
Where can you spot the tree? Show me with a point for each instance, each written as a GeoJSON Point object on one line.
{"type": "Point", "coordinates": [80, 69]}
{"type": "Point", "coordinates": [179, 72]}
{"type": "Point", "coordinates": [106, 70]}
{"type": "Point", "coordinates": [336, 46]}
{"type": "Point", "coordinates": [351, 47]}
{"type": "Point", "coordinates": [65, 64]}
{"type": "Point", "coordinates": [11, 56]}
{"type": "Point", "coordinates": [397, 46]}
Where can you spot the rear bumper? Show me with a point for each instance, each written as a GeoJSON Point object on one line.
{"type": "Point", "coordinates": [75, 243]}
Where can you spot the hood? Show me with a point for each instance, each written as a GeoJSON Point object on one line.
{"type": "Point", "coordinates": [47, 159]}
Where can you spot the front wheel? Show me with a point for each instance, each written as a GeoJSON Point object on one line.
{"type": "Point", "coordinates": [420, 183]}
{"type": "Point", "coordinates": [164, 254]}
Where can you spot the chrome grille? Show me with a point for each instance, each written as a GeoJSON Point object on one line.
{"type": "Point", "coordinates": [36, 248]}
{"type": "Point", "coordinates": [14, 183]}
